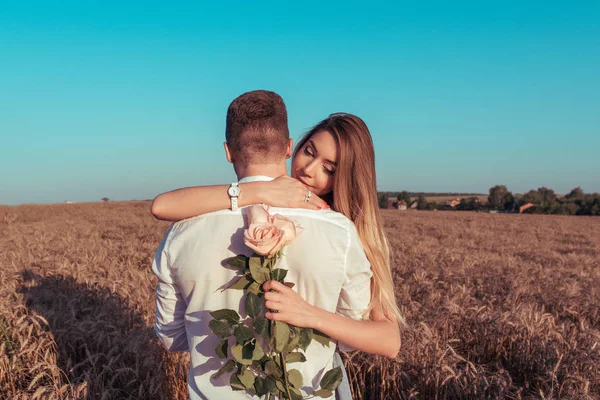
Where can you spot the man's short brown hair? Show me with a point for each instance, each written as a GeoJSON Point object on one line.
{"type": "Point", "coordinates": [257, 127]}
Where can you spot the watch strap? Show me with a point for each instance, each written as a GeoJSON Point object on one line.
{"type": "Point", "coordinates": [234, 199]}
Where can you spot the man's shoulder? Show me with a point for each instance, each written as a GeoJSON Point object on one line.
{"type": "Point", "coordinates": [333, 220]}
{"type": "Point", "coordinates": [324, 217]}
{"type": "Point", "coordinates": [201, 222]}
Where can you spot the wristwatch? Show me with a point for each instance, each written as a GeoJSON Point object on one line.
{"type": "Point", "coordinates": [234, 192]}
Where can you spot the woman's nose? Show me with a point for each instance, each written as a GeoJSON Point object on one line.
{"type": "Point", "coordinates": [309, 168]}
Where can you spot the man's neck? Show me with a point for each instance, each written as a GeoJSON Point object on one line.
{"type": "Point", "coordinates": [270, 170]}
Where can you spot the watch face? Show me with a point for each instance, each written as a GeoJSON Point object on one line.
{"type": "Point", "coordinates": [233, 191]}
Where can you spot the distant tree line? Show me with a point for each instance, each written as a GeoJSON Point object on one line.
{"type": "Point", "coordinates": [500, 199]}
{"type": "Point", "coordinates": [545, 201]}
{"type": "Point", "coordinates": [429, 194]}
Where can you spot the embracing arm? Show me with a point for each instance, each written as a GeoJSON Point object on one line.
{"type": "Point", "coordinates": [192, 201]}
{"type": "Point", "coordinates": [376, 336]}
{"type": "Point", "coordinates": [198, 200]}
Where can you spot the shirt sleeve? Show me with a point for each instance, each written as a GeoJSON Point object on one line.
{"type": "Point", "coordinates": [355, 295]}
{"type": "Point", "coordinates": [170, 305]}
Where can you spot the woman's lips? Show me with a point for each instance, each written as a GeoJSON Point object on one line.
{"type": "Point", "coordinates": [304, 182]}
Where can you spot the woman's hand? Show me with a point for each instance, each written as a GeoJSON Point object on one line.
{"type": "Point", "coordinates": [289, 192]}
{"type": "Point", "coordinates": [290, 307]}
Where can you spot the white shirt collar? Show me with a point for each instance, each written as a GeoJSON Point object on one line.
{"type": "Point", "coordinates": [256, 178]}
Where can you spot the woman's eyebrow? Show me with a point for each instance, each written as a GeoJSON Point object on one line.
{"type": "Point", "coordinates": [312, 144]}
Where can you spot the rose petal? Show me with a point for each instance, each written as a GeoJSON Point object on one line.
{"type": "Point", "coordinates": [257, 214]}
{"type": "Point", "coordinates": [265, 239]}
{"type": "Point", "coordinates": [287, 225]}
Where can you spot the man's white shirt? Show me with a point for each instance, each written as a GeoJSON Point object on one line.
{"type": "Point", "coordinates": [326, 262]}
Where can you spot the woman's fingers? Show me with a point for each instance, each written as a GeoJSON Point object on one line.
{"type": "Point", "coordinates": [273, 305]}
{"type": "Point", "coordinates": [314, 203]}
{"type": "Point", "coordinates": [317, 201]}
{"type": "Point", "coordinates": [285, 191]}
{"type": "Point", "coordinates": [274, 296]}
{"type": "Point", "coordinates": [275, 316]}
{"type": "Point", "coordinates": [274, 285]}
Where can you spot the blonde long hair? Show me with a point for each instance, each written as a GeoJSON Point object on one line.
{"type": "Point", "coordinates": [355, 195]}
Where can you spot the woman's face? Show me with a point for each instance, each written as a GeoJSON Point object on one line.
{"type": "Point", "coordinates": [315, 163]}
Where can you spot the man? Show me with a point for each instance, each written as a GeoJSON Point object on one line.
{"type": "Point", "coordinates": [325, 262]}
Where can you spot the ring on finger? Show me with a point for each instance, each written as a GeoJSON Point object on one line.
{"type": "Point", "coordinates": [307, 197]}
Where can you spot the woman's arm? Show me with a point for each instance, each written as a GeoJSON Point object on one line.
{"type": "Point", "coordinates": [377, 336]}
{"type": "Point", "coordinates": [191, 201]}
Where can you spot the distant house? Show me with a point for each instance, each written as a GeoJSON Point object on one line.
{"type": "Point", "coordinates": [414, 205]}
{"type": "Point", "coordinates": [525, 207]}
{"type": "Point", "coordinates": [394, 204]}
{"type": "Point", "coordinates": [453, 202]}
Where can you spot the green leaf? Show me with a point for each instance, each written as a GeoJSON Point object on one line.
{"type": "Point", "coordinates": [235, 383]}
{"type": "Point", "coordinates": [294, 340]}
{"type": "Point", "coordinates": [259, 274]}
{"type": "Point", "coordinates": [261, 326]}
{"type": "Point", "coordinates": [227, 315]}
{"type": "Point", "coordinates": [237, 351]}
{"type": "Point", "coordinates": [263, 361]}
{"type": "Point", "coordinates": [281, 334]}
{"type": "Point", "coordinates": [306, 336]}
{"type": "Point", "coordinates": [248, 351]}
{"type": "Point", "coordinates": [258, 352]}
{"type": "Point", "coordinates": [324, 393]}
{"type": "Point", "coordinates": [239, 284]}
{"type": "Point", "coordinates": [295, 357]}
{"type": "Point", "coordinates": [296, 394]}
{"type": "Point", "coordinates": [242, 333]}
{"type": "Point", "coordinates": [279, 274]}
{"type": "Point", "coordinates": [247, 378]}
{"type": "Point", "coordinates": [271, 384]}
{"type": "Point", "coordinates": [228, 367]}
{"type": "Point", "coordinates": [254, 288]}
{"type": "Point", "coordinates": [273, 369]}
{"type": "Point", "coordinates": [332, 379]}
{"type": "Point", "coordinates": [267, 262]}
{"type": "Point", "coordinates": [240, 261]}
{"type": "Point", "coordinates": [253, 305]}
{"type": "Point", "coordinates": [295, 378]}
{"type": "Point", "coordinates": [280, 386]}
{"type": "Point", "coordinates": [221, 349]}
{"type": "Point", "coordinates": [321, 337]}
{"type": "Point", "coordinates": [220, 328]}
{"type": "Point", "coordinates": [260, 386]}
{"type": "Point", "coordinates": [254, 262]}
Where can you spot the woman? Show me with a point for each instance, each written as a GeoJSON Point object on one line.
{"type": "Point", "coordinates": [336, 161]}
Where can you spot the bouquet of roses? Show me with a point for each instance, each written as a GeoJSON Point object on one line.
{"type": "Point", "coordinates": [262, 349]}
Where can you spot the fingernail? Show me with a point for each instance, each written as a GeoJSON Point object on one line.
{"type": "Point", "coordinates": [319, 207]}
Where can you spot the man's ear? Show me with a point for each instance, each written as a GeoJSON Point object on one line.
{"type": "Point", "coordinates": [227, 153]}
{"type": "Point", "coordinates": [290, 148]}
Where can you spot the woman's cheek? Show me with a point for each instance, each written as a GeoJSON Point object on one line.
{"type": "Point", "coordinates": [324, 184]}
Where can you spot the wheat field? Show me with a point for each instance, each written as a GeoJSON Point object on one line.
{"type": "Point", "coordinates": [499, 306]}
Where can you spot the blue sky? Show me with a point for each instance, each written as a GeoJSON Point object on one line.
{"type": "Point", "coordinates": [128, 99]}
